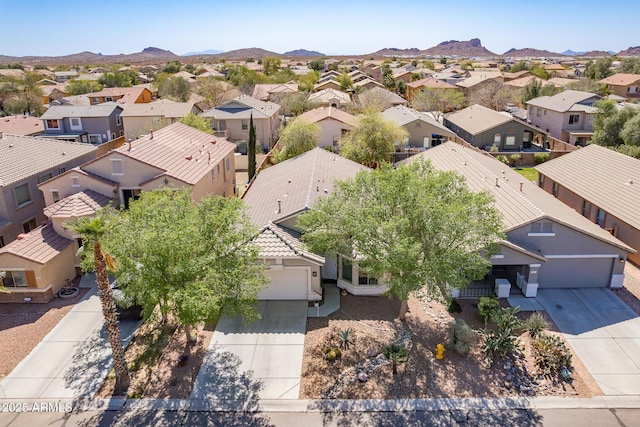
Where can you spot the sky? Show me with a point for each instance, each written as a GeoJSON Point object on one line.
{"type": "Point", "coordinates": [331, 27]}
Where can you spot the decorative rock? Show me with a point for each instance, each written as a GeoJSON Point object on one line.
{"type": "Point", "coordinates": [373, 352]}
{"type": "Point", "coordinates": [362, 377]}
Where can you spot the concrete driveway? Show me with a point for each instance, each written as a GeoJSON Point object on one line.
{"type": "Point", "coordinates": [603, 331]}
{"type": "Point", "coordinates": [262, 360]}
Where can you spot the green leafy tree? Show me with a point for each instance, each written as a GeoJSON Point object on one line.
{"type": "Point", "coordinates": [271, 65]}
{"type": "Point", "coordinates": [519, 66]}
{"type": "Point", "coordinates": [599, 69]}
{"type": "Point", "coordinates": [345, 81]}
{"type": "Point", "coordinates": [372, 140]}
{"type": "Point", "coordinates": [189, 260]}
{"type": "Point", "coordinates": [317, 65]}
{"type": "Point", "coordinates": [189, 68]}
{"type": "Point", "coordinates": [297, 137]}
{"type": "Point", "coordinates": [197, 122]}
{"type": "Point", "coordinates": [401, 87]}
{"type": "Point", "coordinates": [175, 88]}
{"type": "Point", "coordinates": [251, 168]}
{"type": "Point", "coordinates": [115, 80]}
{"type": "Point", "coordinates": [630, 65]}
{"type": "Point", "coordinates": [93, 231]}
{"type": "Point", "coordinates": [80, 87]}
{"type": "Point", "coordinates": [630, 132]}
{"type": "Point", "coordinates": [438, 101]}
{"type": "Point", "coordinates": [414, 226]}
{"type": "Point", "coordinates": [215, 91]}
{"type": "Point", "coordinates": [609, 123]}
{"type": "Point", "coordinates": [588, 85]}
{"type": "Point", "coordinates": [428, 64]}
{"type": "Point", "coordinates": [492, 94]}
{"type": "Point", "coordinates": [306, 82]}
{"type": "Point", "coordinates": [535, 89]}
{"type": "Point", "coordinates": [172, 67]}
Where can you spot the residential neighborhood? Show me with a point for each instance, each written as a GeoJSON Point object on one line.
{"type": "Point", "coordinates": [252, 232]}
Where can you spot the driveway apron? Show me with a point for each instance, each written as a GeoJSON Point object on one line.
{"type": "Point", "coordinates": [261, 360]}
{"type": "Point", "coordinates": [603, 331]}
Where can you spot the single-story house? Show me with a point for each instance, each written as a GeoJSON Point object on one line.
{"type": "Point", "coordinates": [621, 84]}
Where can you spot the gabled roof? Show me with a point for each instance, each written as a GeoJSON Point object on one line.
{"type": "Point", "coordinates": [242, 107]}
{"type": "Point", "coordinates": [162, 108]}
{"type": "Point", "coordinates": [128, 95]}
{"type": "Point", "coordinates": [275, 242]}
{"type": "Point", "coordinates": [21, 125]}
{"type": "Point", "coordinates": [523, 81]}
{"type": "Point", "coordinates": [297, 183]}
{"type": "Point", "coordinates": [77, 205]}
{"type": "Point", "coordinates": [476, 79]}
{"type": "Point", "coordinates": [183, 152]}
{"type": "Point", "coordinates": [318, 114]}
{"type": "Point", "coordinates": [476, 118]}
{"type": "Point", "coordinates": [621, 79]}
{"type": "Point", "coordinates": [262, 91]}
{"type": "Point", "coordinates": [604, 177]}
{"type": "Point", "coordinates": [404, 115]}
{"type": "Point", "coordinates": [325, 95]}
{"type": "Point", "coordinates": [58, 112]}
{"type": "Point", "coordinates": [40, 245]}
{"type": "Point", "coordinates": [385, 95]}
{"type": "Point", "coordinates": [24, 156]}
{"type": "Point", "coordinates": [518, 208]}
{"type": "Point", "coordinates": [431, 83]}
{"type": "Point", "coordinates": [565, 101]}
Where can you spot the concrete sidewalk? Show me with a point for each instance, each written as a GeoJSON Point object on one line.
{"type": "Point", "coordinates": [72, 360]}
{"type": "Point", "coordinates": [603, 331]}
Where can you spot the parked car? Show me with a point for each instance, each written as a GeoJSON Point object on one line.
{"type": "Point", "coordinates": [125, 306]}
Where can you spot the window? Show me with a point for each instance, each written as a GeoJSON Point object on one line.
{"type": "Point", "coordinates": [95, 100]}
{"type": "Point", "coordinates": [510, 141]}
{"type": "Point", "coordinates": [601, 217]}
{"type": "Point", "coordinates": [43, 178]}
{"type": "Point", "coordinates": [75, 123]}
{"type": "Point", "coordinates": [526, 137]}
{"type": "Point", "coordinates": [541, 227]}
{"type": "Point", "coordinates": [29, 225]}
{"type": "Point", "coordinates": [15, 279]}
{"type": "Point", "coordinates": [213, 175]}
{"type": "Point", "coordinates": [245, 125]}
{"type": "Point", "coordinates": [531, 109]}
{"type": "Point", "coordinates": [539, 112]}
{"type": "Point", "coordinates": [118, 120]}
{"type": "Point", "coordinates": [497, 139]}
{"type": "Point", "coordinates": [555, 189]}
{"type": "Point", "coordinates": [113, 135]}
{"type": "Point", "coordinates": [586, 209]}
{"type": "Point", "coordinates": [95, 139]}
{"type": "Point", "coordinates": [222, 125]}
{"type": "Point", "coordinates": [347, 270]}
{"type": "Point", "coordinates": [62, 169]}
{"type": "Point", "coordinates": [227, 163]}
{"type": "Point", "coordinates": [363, 279]}
{"type": "Point", "coordinates": [1, 241]}
{"type": "Point", "coordinates": [55, 195]}
{"type": "Point", "coordinates": [540, 180]}
{"type": "Point", "coordinates": [574, 119]}
{"type": "Point", "coordinates": [121, 133]}
{"type": "Point", "coordinates": [23, 195]}
{"type": "Point", "coordinates": [75, 182]}
{"type": "Point", "coordinates": [52, 124]}
{"type": "Point", "coordinates": [116, 165]}
{"type": "Point", "coordinates": [108, 99]}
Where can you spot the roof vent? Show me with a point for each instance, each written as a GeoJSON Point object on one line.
{"type": "Point", "coordinates": [521, 184]}
{"type": "Point", "coordinates": [151, 132]}
{"type": "Point", "coordinates": [630, 181]}
{"type": "Point", "coordinates": [279, 206]}
{"type": "Point", "coordinates": [22, 236]}
{"type": "Point", "coordinates": [497, 183]}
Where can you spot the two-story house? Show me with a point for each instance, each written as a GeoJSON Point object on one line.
{"type": "Point", "coordinates": [140, 119]}
{"type": "Point", "coordinates": [231, 119]}
{"type": "Point", "coordinates": [26, 162]}
{"type": "Point", "coordinates": [93, 124]}
{"type": "Point", "coordinates": [334, 123]}
{"type": "Point", "coordinates": [624, 85]}
{"type": "Point", "coordinates": [121, 95]}
{"type": "Point", "coordinates": [567, 116]}
{"type": "Point", "coordinates": [424, 131]}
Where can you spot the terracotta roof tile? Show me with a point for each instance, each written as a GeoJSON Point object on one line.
{"type": "Point", "coordinates": [40, 245]}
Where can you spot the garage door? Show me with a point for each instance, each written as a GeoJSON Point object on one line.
{"type": "Point", "coordinates": [288, 283]}
{"type": "Point", "coordinates": [575, 273]}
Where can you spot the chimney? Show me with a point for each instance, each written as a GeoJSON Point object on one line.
{"type": "Point", "coordinates": [151, 131]}
{"type": "Point", "coordinates": [521, 184]}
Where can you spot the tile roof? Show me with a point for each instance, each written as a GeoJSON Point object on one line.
{"type": "Point", "coordinates": [77, 205]}
{"type": "Point", "coordinates": [621, 79]}
{"type": "Point", "coordinates": [262, 91]}
{"type": "Point", "coordinates": [60, 112]}
{"type": "Point", "coordinates": [242, 107]}
{"type": "Point", "coordinates": [477, 118]}
{"type": "Point", "coordinates": [24, 156]}
{"type": "Point", "coordinates": [404, 115]}
{"type": "Point", "coordinates": [518, 208]}
{"type": "Point", "coordinates": [602, 176]}
{"type": "Point", "coordinates": [431, 83]}
{"type": "Point", "coordinates": [185, 153]}
{"type": "Point", "coordinates": [40, 245]}
{"type": "Point", "coordinates": [385, 95]}
{"type": "Point", "coordinates": [322, 113]}
{"type": "Point", "coordinates": [128, 94]}
{"type": "Point", "coordinates": [275, 242]}
{"type": "Point", "coordinates": [325, 95]}
{"type": "Point", "coordinates": [21, 125]}
{"type": "Point", "coordinates": [297, 183]}
{"type": "Point", "coordinates": [163, 107]}
{"type": "Point", "coordinates": [563, 101]}
{"type": "Point", "coordinates": [476, 79]}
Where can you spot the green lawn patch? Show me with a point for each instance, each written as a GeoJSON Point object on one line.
{"type": "Point", "coordinates": [530, 173]}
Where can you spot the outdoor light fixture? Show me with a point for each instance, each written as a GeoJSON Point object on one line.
{"type": "Point", "coordinates": [314, 274]}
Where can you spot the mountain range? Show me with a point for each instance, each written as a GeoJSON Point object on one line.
{"type": "Point", "coordinates": [453, 48]}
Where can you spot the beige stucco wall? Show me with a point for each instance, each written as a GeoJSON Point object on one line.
{"type": "Point", "coordinates": [135, 127]}
{"type": "Point", "coordinates": [330, 129]}
{"type": "Point", "coordinates": [64, 185]}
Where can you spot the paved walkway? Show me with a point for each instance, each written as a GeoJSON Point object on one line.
{"type": "Point", "coordinates": [72, 360]}
{"type": "Point", "coordinates": [330, 304]}
{"type": "Point", "coordinates": [603, 331]}
{"type": "Point", "coordinates": [262, 360]}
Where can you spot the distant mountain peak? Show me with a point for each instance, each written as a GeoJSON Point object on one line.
{"type": "Point", "coordinates": [469, 48]}
{"type": "Point", "coordinates": [303, 52]}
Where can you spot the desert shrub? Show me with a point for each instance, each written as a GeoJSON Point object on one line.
{"type": "Point", "coordinates": [330, 354]}
{"type": "Point", "coordinates": [346, 338]}
{"type": "Point", "coordinates": [540, 157]}
{"type": "Point", "coordinates": [396, 354]}
{"type": "Point", "coordinates": [551, 353]}
{"type": "Point", "coordinates": [461, 337]}
{"type": "Point", "coordinates": [487, 306]}
{"type": "Point", "coordinates": [504, 339]}
{"type": "Point", "coordinates": [515, 157]}
{"type": "Point", "coordinates": [535, 325]}
{"type": "Point", "coordinates": [503, 159]}
{"type": "Point", "coordinates": [454, 306]}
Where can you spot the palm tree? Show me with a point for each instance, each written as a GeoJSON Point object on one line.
{"type": "Point", "coordinates": [92, 230]}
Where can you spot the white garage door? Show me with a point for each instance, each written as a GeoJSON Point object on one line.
{"type": "Point", "coordinates": [288, 283]}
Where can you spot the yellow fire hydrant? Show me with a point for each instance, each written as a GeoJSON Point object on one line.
{"type": "Point", "coordinates": [439, 351]}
